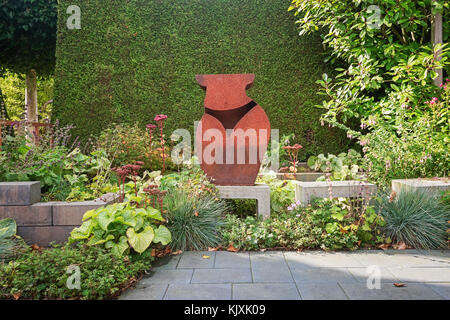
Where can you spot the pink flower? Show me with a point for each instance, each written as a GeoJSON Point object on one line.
{"type": "Point", "coordinates": [150, 126]}
{"type": "Point", "coordinates": [160, 117]}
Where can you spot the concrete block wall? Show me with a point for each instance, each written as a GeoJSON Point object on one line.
{"type": "Point", "coordinates": [43, 222]}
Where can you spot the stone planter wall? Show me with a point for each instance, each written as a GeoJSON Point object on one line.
{"type": "Point", "coordinates": [43, 222]}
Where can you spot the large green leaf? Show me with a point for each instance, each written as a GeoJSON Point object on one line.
{"type": "Point", "coordinates": [8, 228]}
{"type": "Point", "coordinates": [142, 240]}
{"type": "Point", "coordinates": [162, 235]}
{"type": "Point", "coordinates": [118, 248]}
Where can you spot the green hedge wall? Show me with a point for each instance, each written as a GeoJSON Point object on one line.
{"type": "Point", "coordinates": [136, 58]}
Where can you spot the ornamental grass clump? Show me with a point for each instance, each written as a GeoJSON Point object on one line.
{"type": "Point", "coordinates": [416, 218]}
{"type": "Point", "coordinates": [194, 222]}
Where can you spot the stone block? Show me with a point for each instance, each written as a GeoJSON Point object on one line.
{"type": "Point", "coordinates": [305, 191]}
{"type": "Point", "coordinates": [19, 193]}
{"type": "Point", "coordinates": [38, 214]}
{"type": "Point", "coordinates": [260, 192]}
{"type": "Point", "coordinates": [44, 235]}
{"type": "Point", "coordinates": [71, 213]}
{"type": "Point", "coordinates": [426, 185]}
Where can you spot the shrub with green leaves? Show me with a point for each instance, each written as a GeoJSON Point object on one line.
{"type": "Point", "coordinates": [122, 228]}
{"type": "Point", "coordinates": [416, 218]}
{"type": "Point", "coordinates": [327, 224]}
{"type": "Point", "coordinates": [386, 61]}
{"type": "Point", "coordinates": [11, 245]}
{"type": "Point", "coordinates": [194, 221]}
{"type": "Point", "coordinates": [44, 275]}
{"type": "Point", "coordinates": [282, 192]}
{"type": "Point", "coordinates": [344, 166]}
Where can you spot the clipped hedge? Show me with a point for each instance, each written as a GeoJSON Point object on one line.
{"type": "Point", "coordinates": [134, 59]}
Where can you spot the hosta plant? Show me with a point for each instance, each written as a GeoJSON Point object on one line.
{"type": "Point", "coordinates": [122, 228]}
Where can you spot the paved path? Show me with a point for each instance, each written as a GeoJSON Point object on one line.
{"type": "Point", "coordinates": [290, 275]}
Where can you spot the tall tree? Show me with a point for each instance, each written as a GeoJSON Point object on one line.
{"type": "Point", "coordinates": [28, 42]}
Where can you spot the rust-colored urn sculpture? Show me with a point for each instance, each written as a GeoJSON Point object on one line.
{"type": "Point", "coordinates": [234, 132]}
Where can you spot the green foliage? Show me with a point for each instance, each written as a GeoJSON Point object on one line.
{"type": "Point", "coordinates": [127, 143]}
{"type": "Point", "coordinates": [194, 221]}
{"type": "Point", "coordinates": [121, 227]}
{"type": "Point", "coordinates": [13, 87]}
{"type": "Point", "coordinates": [344, 166]}
{"type": "Point", "coordinates": [414, 146]}
{"type": "Point", "coordinates": [416, 218]}
{"type": "Point", "coordinates": [282, 192]}
{"type": "Point", "coordinates": [328, 224]}
{"type": "Point", "coordinates": [43, 275]}
{"type": "Point", "coordinates": [134, 59]}
{"type": "Point", "coordinates": [386, 69]}
{"type": "Point", "coordinates": [10, 245]}
{"type": "Point", "coordinates": [64, 174]}
{"type": "Point", "coordinates": [28, 35]}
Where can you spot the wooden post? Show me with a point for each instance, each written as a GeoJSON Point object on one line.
{"type": "Point", "coordinates": [436, 36]}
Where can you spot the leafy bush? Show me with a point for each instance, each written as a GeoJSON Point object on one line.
{"type": "Point", "coordinates": [345, 166]}
{"type": "Point", "coordinates": [416, 218]}
{"type": "Point", "coordinates": [386, 69]}
{"type": "Point", "coordinates": [11, 246]}
{"type": "Point", "coordinates": [128, 143]}
{"type": "Point", "coordinates": [282, 192]}
{"type": "Point", "coordinates": [43, 275]}
{"type": "Point", "coordinates": [328, 224]}
{"type": "Point", "coordinates": [121, 227]}
{"type": "Point", "coordinates": [194, 221]}
{"type": "Point", "coordinates": [65, 173]}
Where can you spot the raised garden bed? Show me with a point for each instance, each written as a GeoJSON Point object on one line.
{"type": "Point", "coordinates": [43, 222]}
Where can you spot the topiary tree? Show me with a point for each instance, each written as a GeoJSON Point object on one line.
{"type": "Point", "coordinates": [27, 43]}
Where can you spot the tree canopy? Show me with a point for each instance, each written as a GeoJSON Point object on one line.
{"type": "Point", "coordinates": [28, 35]}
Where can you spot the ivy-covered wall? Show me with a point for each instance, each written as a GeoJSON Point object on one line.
{"type": "Point", "coordinates": [136, 58]}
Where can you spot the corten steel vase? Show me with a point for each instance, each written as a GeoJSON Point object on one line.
{"type": "Point", "coordinates": [235, 122]}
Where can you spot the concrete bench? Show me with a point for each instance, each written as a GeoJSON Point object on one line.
{"type": "Point", "coordinates": [260, 192]}
{"type": "Point", "coordinates": [423, 184]}
{"type": "Point", "coordinates": [305, 191]}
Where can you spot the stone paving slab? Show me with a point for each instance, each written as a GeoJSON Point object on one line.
{"type": "Point", "coordinates": [291, 275]}
{"type": "Point", "coordinates": [195, 259]}
{"type": "Point", "coordinates": [412, 291]}
{"type": "Point", "coordinates": [222, 275]}
{"type": "Point", "coordinates": [421, 274]}
{"type": "Point", "coordinates": [304, 260]}
{"type": "Point", "coordinates": [361, 274]}
{"type": "Point", "coordinates": [198, 292]}
{"type": "Point", "coordinates": [330, 275]}
{"type": "Point", "coordinates": [169, 276]}
{"type": "Point", "coordinates": [265, 291]}
{"type": "Point", "coordinates": [225, 259]}
{"type": "Point", "coordinates": [149, 292]}
{"type": "Point", "coordinates": [442, 289]}
{"type": "Point", "coordinates": [321, 291]}
{"type": "Point", "coordinates": [272, 274]}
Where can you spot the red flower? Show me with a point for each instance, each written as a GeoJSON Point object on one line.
{"type": "Point", "coordinates": [160, 117]}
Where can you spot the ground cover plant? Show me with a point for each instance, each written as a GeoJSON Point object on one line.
{"type": "Point", "coordinates": [327, 224]}
{"type": "Point", "coordinates": [43, 273]}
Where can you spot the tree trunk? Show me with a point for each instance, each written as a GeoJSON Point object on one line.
{"type": "Point", "coordinates": [436, 36]}
{"type": "Point", "coordinates": [31, 103]}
